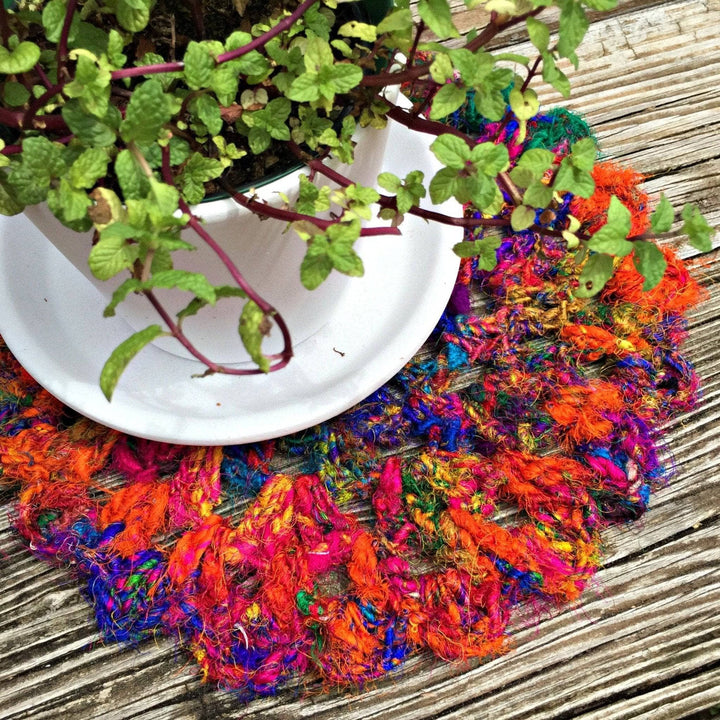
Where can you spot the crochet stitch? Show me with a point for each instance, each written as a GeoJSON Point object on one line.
{"type": "Point", "coordinates": [479, 478]}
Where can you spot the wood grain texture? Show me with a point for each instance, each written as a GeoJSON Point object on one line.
{"type": "Point", "coordinates": [642, 642]}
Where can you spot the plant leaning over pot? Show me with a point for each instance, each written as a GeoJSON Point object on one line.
{"type": "Point", "coordinates": [123, 115]}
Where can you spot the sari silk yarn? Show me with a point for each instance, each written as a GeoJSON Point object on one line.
{"type": "Point", "coordinates": [479, 478]}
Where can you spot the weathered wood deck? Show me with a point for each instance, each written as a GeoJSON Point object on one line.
{"type": "Point", "coordinates": [644, 640]}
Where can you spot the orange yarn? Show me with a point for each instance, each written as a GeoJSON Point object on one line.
{"type": "Point", "coordinates": [613, 179]}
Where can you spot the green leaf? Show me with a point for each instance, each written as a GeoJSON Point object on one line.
{"type": "Point", "coordinates": [696, 228]}
{"type": "Point", "coordinates": [479, 189]}
{"type": "Point", "coordinates": [490, 102]}
{"type": "Point", "coordinates": [133, 181]}
{"type": "Point", "coordinates": [524, 105]}
{"type": "Point", "coordinates": [112, 253]}
{"type": "Point", "coordinates": [133, 15]}
{"type": "Point", "coordinates": [207, 110]}
{"type": "Point", "coordinates": [122, 355]}
{"type": "Point", "coordinates": [573, 26]}
{"type": "Point", "coordinates": [252, 330]}
{"type": "Point", "coordinates": [597, 271]}
{"type": "Point", "coordinates": [148, 110]}
{"type": "Point", "coordinates": [538, 195]}
{"type": "Point", "coordinates": [88, 168]}
{"type": "Point", "coordinates": [611, 238]}
{"type": "Point", "coordinates": [9, 204]}
{"type": "Point", "coordinates": [318, 54]}
{"type": "Point", "coordinates": [399, 20]}
{"type": "Point", "coordinates": [443, 185]}
{"type": "Point", "coordinates": [447, 100]}
{"type": "Point", "coordinates": [91, 85]}
{"type": "Point", "coordinates": [537, 161]}
{"type": "Point", "coordinates": [484, 249]}
{"type": "Point", "coordinates": [193, 282]}
{"type": "Point", "coordinates": [539, 33]}
{"type": "Point", "coordinates": [583, 154]}
{"type": "Point", "coordinates": [340, 249]}
{"type": "Point", "coordinates": [254, 65]}
{"type": "Point", "coordinates": [88, 128]}
{"type": "Point", "coordinates": [360, 30]}
{"type": "Point", "coordinates": [489, 158]}
{"type": "Point", "coordinates": [552, 75]}
{"type": "Point", "coordinates": [602, 4]}
{"type": "Point", "coordinates": [23, 58]}
{"type": "Point", "coordinates": [361, 194]}
{"type": "Point", "coordinates": [451, 150]}
{"type": "Point", "coordinates": [650, 263]}
{"type": "Point", "coordinates": [619, 217]}
{"type": "Point", "coordinates": [304, 88]}
{"type": "Point", "coordinates": [224, 83]}
{"type": "Point", "coordinates": [259, 140]}
{"type": "Point", "coordinates": [345, 77]}
{"type": "Point", "coordinates": [437, 16]}
{"type": "Point", "coordinates": [662, 218]}
{"type": "Point", "coordinates": [198, 65]}
{"type": "Point", "coordinates": [441, 68]}
{"type": "Point", "coordinates": [163, 200]}
{"type": "Point", "coordinates": [573, 179]}
{"type": "Point", "coordinates": [121, 292]}
{"type": "Point", "coordinates": [389, 182]}
{"type": "Point", "coordinates": [522, 217]}
{"type": "Point", "coordinates": [316, 264]}
{"type": "Point", "coordinates": [473, 67]}
{"type": "Point", "coordinates": [115, 46]}
{"type": "Point", "coordinates": [608, 240]}
{"type": "Point", "coordinates": [522, 177]}
{"type": "Point", "coordinates": [53, 19]}
{"type": "Point", "coordinates": [15, 94]}
{"type": "Point", "coordinates": [67, 203]}
{"type": "Point", "coordinates": [198, 170]}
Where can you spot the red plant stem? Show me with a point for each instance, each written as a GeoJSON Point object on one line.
{"type": "Point", "coordinates": [43, 77]}
{"type": "Point", "coordinates": [418, 32]}
{"type": "Point", "coordinates": [387, 201]}
{"type": "Point", "coordinates": [421, 124]}
{"type": "Point", "coordinates": [410, 74]}
{"type": "Point", "coordinates": [267, 210]}
{"type": "Point", "coordinates": [4, 28]}
{"type": "Point", "coordinates": [508, 114]}
{"type": "Point", "coordinates": [263, 39]}
{"type": "Point", "coordinates": [258, 42]}
{"type": "Point", "coordinates": [212, 367]}
{"type": "Point", "coordinates": [14, 119]}
{"type": "Point", "coordinates": [30, 115]}
{"type": "Point", "coordinates": [62, 50]}
{"type": "Point", "coordinates": [287, 352]}
{"type": "Point", "coordinates": [531, 73]}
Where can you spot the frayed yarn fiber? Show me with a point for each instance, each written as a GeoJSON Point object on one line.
{"type": "Point", "coordinates": [479, 478]}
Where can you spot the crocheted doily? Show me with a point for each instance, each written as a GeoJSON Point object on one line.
{"type": "Point", "coordinates": [478, 478]}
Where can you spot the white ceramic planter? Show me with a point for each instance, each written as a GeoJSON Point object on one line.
{"type": "Point", "coordinates": [267, 255]}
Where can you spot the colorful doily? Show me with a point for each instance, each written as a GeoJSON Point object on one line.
{"type": "Point", "coordinates": [480, 477]}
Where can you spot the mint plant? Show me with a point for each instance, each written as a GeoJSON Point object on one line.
{"type": "Point", "coordinates": [122, 115]}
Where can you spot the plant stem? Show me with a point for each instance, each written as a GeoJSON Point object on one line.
{"type": "Point", "coordinates": [62, 50]}
{"type": "Point", "coordinates": [212, 367]}
{"type": "Point", "coordinates": [268, 310]}
{"type": "Point", "coordinates": [263, 39]}
{"type": "Point", "coordinates": [258, 42]}
{"type": "Point", "coordinates": [386, 201]}
{"type": "Point", "coordinates": [421, 124]}
{"type": "Point", "coordinates": [264, 209]}
{"type": "Point", "coordinates": [413, 73]}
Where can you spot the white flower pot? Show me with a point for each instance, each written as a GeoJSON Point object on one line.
{"type": "Point", "coordinates": [267, 254]}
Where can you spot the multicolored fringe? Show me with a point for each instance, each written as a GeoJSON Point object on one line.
{"type": "Point", "coordinates": [479, 478]}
